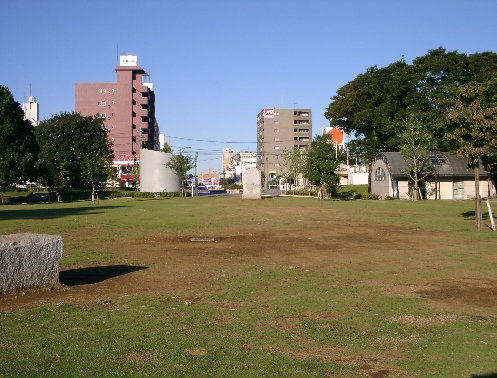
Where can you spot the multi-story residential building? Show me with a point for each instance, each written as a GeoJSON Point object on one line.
{"type": "Point", "coordinates": [279, 130]}
{"type": "Point", "coordinates": [235, 162]}
{"type": "Point", "coordinates": [31, 111]}
{"type": "Point", "coordinates": [209, 178]}
{"type": "Point", "coordinates": [128, 109]}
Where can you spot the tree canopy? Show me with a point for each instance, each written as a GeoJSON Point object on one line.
{"type": "Point", "coordinates": [376, 103]}
{"type": "Point", "coordinates": [74, 151]}
{"type": "Point", "coordinates": [17, 143]}
{"type": "Point", "coordinates": [292, 163]}
{"type": "Point", "coordinates": [320, 164]}
{"type": "Point", "coordinates": [181, 164]}
{"type": "Point", "coordinates": [475, 131]}
{"type": "Point", "coordinates": [414, 147]}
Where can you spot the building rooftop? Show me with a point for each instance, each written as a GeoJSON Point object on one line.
{"type": "Point", "coordinates": [446, 163]}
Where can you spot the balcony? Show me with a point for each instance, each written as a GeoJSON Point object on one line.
{"type": "Point", "coordinates": [301, 114]}
{"type": "Point", "coordinates": [138, 111]}
{"type": "Point", "coordinates": [140, 99]}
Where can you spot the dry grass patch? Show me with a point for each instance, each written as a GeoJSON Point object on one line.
{"type": "Point", "coordinates": [199, 352]}
{"type": "Point", "coordinates": [426, 321]}
{"type": "Point", "coordinates": [141, 358]}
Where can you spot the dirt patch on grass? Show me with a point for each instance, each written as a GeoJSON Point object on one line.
{"type": "Point", "coordinates": [309, 240]}
{"type": "Point", "coordinates": [476, 293]}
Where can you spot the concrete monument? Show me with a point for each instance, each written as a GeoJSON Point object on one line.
{"type": "Point", "coordinates": [29, 260]}
{"type": "Point", "coordinates": [251, 181]}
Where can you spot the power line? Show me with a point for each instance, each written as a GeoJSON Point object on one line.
{"type": "Point", "coordinates": [206, 141]}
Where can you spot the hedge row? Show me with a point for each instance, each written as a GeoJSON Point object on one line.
{"type": "Point", "coordinates": [78, 195]}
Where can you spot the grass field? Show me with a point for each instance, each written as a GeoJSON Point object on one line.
{"type": "Point", "coordinates": [287, 287]}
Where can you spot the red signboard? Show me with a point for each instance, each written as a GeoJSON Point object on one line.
{"type": "Point", "coordinates": [268, 113]}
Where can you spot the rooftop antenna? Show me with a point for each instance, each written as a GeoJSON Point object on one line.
{"type": "Point", "coordinates": [117, 54]}
{"type": "Point", "coordinates": [294, 103]}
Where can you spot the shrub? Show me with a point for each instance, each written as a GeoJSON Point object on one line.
{"type": "Point", "coordinates": [302, 192]}
{"type": "Point", "coordinates": [233, 186]}
{"type": "Point", "coordinates": [370, 196]}
{"type": "Point", "coordinates": [135, 194]}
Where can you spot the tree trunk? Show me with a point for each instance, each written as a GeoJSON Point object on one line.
{"type": "Point", "coordinates": [478, 199]}
{"type": "Point", "coordinates": [415, 196]}
{"type": "Point", "coordinates": [92, 193]}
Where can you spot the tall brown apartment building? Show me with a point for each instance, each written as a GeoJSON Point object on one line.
{"type": "Point", "coordinates": [128, 108]}
{"type": "Point", "coordinates": [277, 130]}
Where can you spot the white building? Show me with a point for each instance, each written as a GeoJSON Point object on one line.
{"type": "Point", "coordinates": [31, 111]}
{"type": "Point", "coordinates": [236, 162]}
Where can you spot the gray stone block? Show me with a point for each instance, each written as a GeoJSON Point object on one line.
{"type": "Point", "coordinates": [251, 181]}
{"type": "Point", "coordinates": [29, 260]}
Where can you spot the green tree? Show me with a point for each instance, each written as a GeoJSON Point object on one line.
{"type": "Point", "coordinates": [414, 147]}
{"type": "Point", "coordinates": [372, 105]}
{"type": "Point", "coordinates": [375, 103]}
{"type": "Point", "coordinates": [74, 151]}
{"type": "Point", "coordinates": [17, 143]}
{"type": "Point", "coordinates": [475, 132]}
{"type": "Point", "coordinates": [181, 164]}
{"type": "Point", "coordinates": [292, 160]}
{"type": "Point", "coordinates": [167, 149]}
{"type": "Point", "coordinates": [95, 173]}
{"type": "Point", "coordinates": [320, 164]}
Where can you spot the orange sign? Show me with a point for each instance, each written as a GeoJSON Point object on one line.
{"type": "Point", "coordinates": [336, 135]}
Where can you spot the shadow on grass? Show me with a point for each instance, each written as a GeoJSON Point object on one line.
{"type": "Point", "coordinates": [27, 213]}
{"type": "Point", "coordinates": [95, 274]}
{"type": "Point", "coordinates": [470, 215]}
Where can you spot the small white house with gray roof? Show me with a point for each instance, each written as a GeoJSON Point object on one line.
{"type": "Point", "coordinates": [450, 178]}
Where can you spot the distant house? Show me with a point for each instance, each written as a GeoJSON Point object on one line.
{"type": "Point", "coordinates": [451, 179]}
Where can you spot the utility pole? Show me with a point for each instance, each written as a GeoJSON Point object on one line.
{"type": "Point", "coordinates": [196, 177]}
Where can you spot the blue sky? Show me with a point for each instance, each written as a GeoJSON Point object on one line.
{"type": "Point", "coordinates": [216, 64]}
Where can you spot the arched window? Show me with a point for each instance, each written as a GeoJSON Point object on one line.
{"type": "Point", "coordinates": [379, 174]}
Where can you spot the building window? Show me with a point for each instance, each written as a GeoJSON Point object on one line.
{"type": "Point", "coordinates": [102, 90]}
{"type": "Point", "coordinates": [276, 130]}
{"type": "Point", "coordinates": [101, 103]}
{"type": "Point", "coordinates": [276, 139]}
{"type": "Point", "coordinates": [276, 157]}
{"type": "Point", "coordinates": [276, 122]}
{"type": "Point", "coordinates": [277, 147]}
{"type": "Point", "coordinates": [379, 174]}
{"type": "Point", "coordinates": [101, 115]}
{"type": "Point", "coordinates": [277, 165]}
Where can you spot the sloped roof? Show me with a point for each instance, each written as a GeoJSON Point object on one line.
{"type": "Point", "coordinates": [446, 163]}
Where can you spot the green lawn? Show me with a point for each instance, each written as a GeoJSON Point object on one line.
{"type": "Point", "coordinates": [355, 317]}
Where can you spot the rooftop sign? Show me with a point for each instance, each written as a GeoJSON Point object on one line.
{"type": "Point", "coordinates": [128, 60]}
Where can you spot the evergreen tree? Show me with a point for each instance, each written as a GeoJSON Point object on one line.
{"type": "Point", "coordinates": [17, 143]}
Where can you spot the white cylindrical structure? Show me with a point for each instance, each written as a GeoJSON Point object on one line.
{"type": "Point", "coordinates": [155, 176]}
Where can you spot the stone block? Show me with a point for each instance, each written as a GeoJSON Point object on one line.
{"type": "Point", "coordinates": [251, 181]}
{"type": "Point", "coordinates": [29, 261]}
